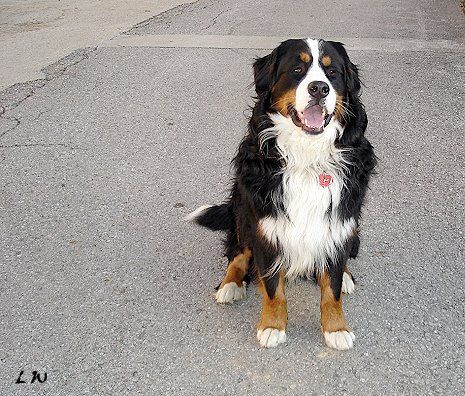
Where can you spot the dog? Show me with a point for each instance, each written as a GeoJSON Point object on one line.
{"type": "Point", "coordinates": [301, 174]}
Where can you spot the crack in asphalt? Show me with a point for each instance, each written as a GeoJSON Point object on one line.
{"type": "Point", "coordinates": [29, 88]}
{"type": "Point", "coordinates": [214, 19]}
{"type": "Point", "coordinates": [15, 119]}
{"type": "Point", "coordinates": [46, 145]}
{"type": "Point", "coordinates": [172, 12]}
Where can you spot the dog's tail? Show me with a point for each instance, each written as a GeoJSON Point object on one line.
{"type": "Point", "coordinates": [214, 217]}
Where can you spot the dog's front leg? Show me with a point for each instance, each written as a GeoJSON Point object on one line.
{"type": "Point", "coordinates": [271, 329]}
{"type": "Point", "coordinates": [337, 333]}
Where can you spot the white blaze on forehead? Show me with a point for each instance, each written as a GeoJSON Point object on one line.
{"type": "Point", "coordinates": [314, 73]}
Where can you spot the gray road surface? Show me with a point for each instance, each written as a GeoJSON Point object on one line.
{"type": "Point", "coordinates": [105, 288]}
{"type": "Point", "coordinates": [34, 34]}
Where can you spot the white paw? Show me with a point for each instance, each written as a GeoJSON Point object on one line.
{"type": "Point", "coordinates": [269, 338]}
{"type": "Point", "coordinates": [347, 283]}
{"type": "Point", "coordinates": [341, 340]}
{"type": "Point", "coordinates": [230, 292]}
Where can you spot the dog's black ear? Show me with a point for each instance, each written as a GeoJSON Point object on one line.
{"type": "Point", "coordinates": [353, 80]}
{"type": "Point", "coordinates": [353, 83]}
{"type": "Point", "coordinates": [264, 73]}
{"type": "Point", "coordinates": [265, 69]}
{"type": "Point", "coordinates": [356, 121]}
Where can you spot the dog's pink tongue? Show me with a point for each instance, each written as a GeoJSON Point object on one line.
{"type": "Point", "coordinates": [313, 117]}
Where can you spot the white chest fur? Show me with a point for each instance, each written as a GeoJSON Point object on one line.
{"type": "Point", "coordinates": [309, 231]}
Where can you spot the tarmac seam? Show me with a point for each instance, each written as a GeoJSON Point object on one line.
{"type": "Point", "coordinates": [270, 42]}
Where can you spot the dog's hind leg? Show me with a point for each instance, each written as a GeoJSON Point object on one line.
{"type": "Point", "coordinates": [348, 281]}
{"type": "Point", "coordinates": [355, 246]}
{"type": "Point", "coordinates": [233, 286]}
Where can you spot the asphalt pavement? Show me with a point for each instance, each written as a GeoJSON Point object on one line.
{"type": "Point", "coordinates": [35, 34]}
{"type": "Point", "coordinates": [106, 289]}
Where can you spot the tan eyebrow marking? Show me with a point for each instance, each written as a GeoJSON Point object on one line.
{"type": "Point", "coordinates": [304, 57]}
{"type": "Point", "coordinates": [326, 60]}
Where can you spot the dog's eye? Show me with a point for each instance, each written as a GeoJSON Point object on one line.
{"type": "Point", "coordinates": [332, 72]}
{"type": "Point", "coordinates": [298, 70]}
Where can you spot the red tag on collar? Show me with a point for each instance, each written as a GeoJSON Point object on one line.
{"type": "Point", "coordinates": [324, 179]}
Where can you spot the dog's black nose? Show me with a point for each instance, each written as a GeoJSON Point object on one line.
{"type": "Point", "coordinates": [318, 89]}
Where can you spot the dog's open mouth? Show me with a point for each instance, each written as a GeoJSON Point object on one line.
{"type": "Point", "coordinates": [312, 120]}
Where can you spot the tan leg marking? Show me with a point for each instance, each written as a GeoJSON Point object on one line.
{"type": "Point", "coordinates": [271, 329]}
{"type": "Point", "coordinates": [237, 268]}
{"type": "Point", "coordinates": [333, 323]}
{"type": "Point", "coordinates": [233, 286]}
{"type": "Point", "coordinates": [346, 269]}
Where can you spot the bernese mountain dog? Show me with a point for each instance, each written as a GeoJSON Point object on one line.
{"type": "Point", "coordinates": [300, 178]}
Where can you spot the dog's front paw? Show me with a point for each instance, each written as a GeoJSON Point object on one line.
{"type": "Point", "coordinates": [270, 338]}
{"type": "Point", "coordinates": [348, 285]}
{"type": "Point", "coordinates": [230, 292]}
{"type": "Point", "coordinates": [341, 340]}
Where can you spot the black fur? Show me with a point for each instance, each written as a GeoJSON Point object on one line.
{"type": "Point", "coordinates": [259, 172]}
{"type": "Point", "coordinates": [217, 218]}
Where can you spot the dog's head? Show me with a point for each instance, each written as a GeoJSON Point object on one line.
{"type": "Point", "coordinates": [309, 81]}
